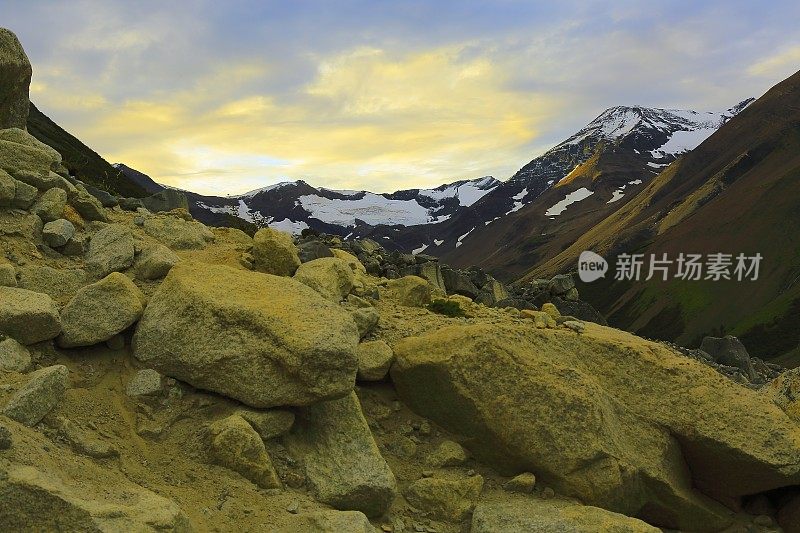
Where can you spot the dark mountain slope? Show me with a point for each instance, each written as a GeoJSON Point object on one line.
{"type": "Point", "coordinates": [80, 160]}
{"type": "Point", "coordinates": [738, 192]}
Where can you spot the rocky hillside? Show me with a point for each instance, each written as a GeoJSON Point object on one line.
{"type": "Point", "coordinates": [159, 374]}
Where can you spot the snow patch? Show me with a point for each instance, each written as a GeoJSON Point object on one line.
{"type": "Point", "coordinates": [289, 226]}
{"type": "Point", "coordinates": [419, 250]}
{"type": "Point", "coordinates": [569, 199]}
{"type": "Point", "coordinates": [438, 242]}
{"type": "Point", "coordinates": [458, 241]}
{"type": "Point", "coordinates": [617, 195]}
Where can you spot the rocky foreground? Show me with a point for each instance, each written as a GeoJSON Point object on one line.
{"type": "Point", "coordinates": [160, 375]}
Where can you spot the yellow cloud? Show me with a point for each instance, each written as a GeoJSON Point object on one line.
{"type": "Point", "coordinates": [367, 120]}
{"type": "Point", "coordinates": [781, 64]}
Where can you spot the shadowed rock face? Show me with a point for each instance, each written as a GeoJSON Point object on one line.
{"type": "Point", "coordinates": [620, 422]}
{"type": "Point", "coordinates": [15, 79]}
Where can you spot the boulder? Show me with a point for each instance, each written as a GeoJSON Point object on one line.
{"type": "Point", "coordinates": [61, 284]}
{"type": "Point", "coordinates": [274, 252]}
{"type": "Point", "coordinates": [154, 262]}
{"type": "Point", "coordinates": [729, 351]}
{"type": "Point", "coordinates": [55, 234]}
{"type": "Point", "coordinates": [8, 275]}
{"type": "Point", "coordinates": [308, 251]}
{"type": "Point", "coordinates": [166, 200]}
{"type": "Point", "coordinates": [130, 204]}
{"type": "Point", "coordinates": [784, 391]}
{"type": "Point", "coordinates": [236, 445]}
{"type": "Point", "coordinates": [445, 499]}
{"type": "Point", "coordinates": [269, 424]}
{"type": "Point", "coordinates": [343, 464]}
{"type": "Point", "coordinates": [374, 360]}
{"type": "Point", "coordinates": [44, 390]}
{"type": "Point", "coordinates": [21, 154]}
{"type": "Point", "coordinates": [46, 179]}
{"type": "Point", "coordinates": [50, 205]}
{"type": "Point", "coordinates": [24, 195]}
{"type": "Point", "coordinates": [106, 199]}
{"type": "Point", "coordinates": [177, 233]}
{"type": "Point", "coordinates": [330, 276]}
{"type": "Point", "coordinates": [448, 453]}
{"type": "Point", "coordinates": [328, 522]}
{"type": "Point", "coordinates": [100, 310]}
{"type": "Point", "coordinates": [261, 339]}
{"type": "Point", "coordinates": [76, 246]}
{"type": "Point", "coordinates": [432, 273]}
{"type": "Point", "coordinates": [8, 189]}
{"type": "Point", "coordinates": [561, 284]}
{"type": "Point", "coordinates": [514, 515]}
{"type": "Point", "coordinates": [110, 250]}
{"type": "Point", "coordinates": [551, 310]}
{"type": "Point", "coordinates": [87, 205]}
{"type": "Point", "coordinates": [410, 291]}
{"type": "Point", "coordinates": [457, 282]}
{"type": "Point", "coordinates": [351, 260]}
{"type": "Point", "coordinates": [14, 357]}
{"type": "Point", "coordinates": [35, 498]}
{"type": "Point", "coordinates": [15, 79]}
{"type": "Point", "coordinates": [366, 318]}
{"type": "Point", "coordinates": [563, 406]}
{"type": "Point", "coordinates": [28, 316]}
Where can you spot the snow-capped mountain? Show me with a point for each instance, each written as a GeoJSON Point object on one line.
{"type": "Point", "coordinates": [295, 205]}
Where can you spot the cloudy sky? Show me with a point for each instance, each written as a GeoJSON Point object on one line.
{"type": "Point", "coordinates": [223, 97]}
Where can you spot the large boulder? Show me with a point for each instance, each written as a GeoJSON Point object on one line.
{"type": "Point", "coordinates": [603, 416]}
{"type": "Point", "coordinates": [236, 445]}
{"type": "Point", "coordinates": [330, 276]}
{"type": "Point", "coordinates": [87, 205]}
{"type": "Point", "coordinates": [177, 233]}
{"type": "Point", "coordinates": [14, 357]}
{"type": "Point", "coordinates": [374, 360]}
{"type": "Point", "coordinates": [308, 251]}
{"type": "Point", "coordinates": [261, 339]}
{"type": "Point", "coordinates": [28, 316]}
{"type": "Point", "coordinates": [22, 154]}
{"type": "Point", "coordinates": [110, 250]}
{"type": "Point", "coordinates": [100, 310]}
{"type": "Point", "coordinates": [61, 284]}
{"type": "Point", "coordinates": [15, 79]}
{"type": "Point", "coordinates": [520, 513]}
{"type": "Point", "coordinates": [24, 195]}
{"type": "Point", "coordinates": [35, 498]}
{"type": "Point", "coordinates": [44, 390]}
{"type": "Point", "coordinates": [343, 464]}
{"type": "Point", "coordinates": [166, 200]}
{"type": "Point", "coordinates": [274, 252]}
{"type": "Point", "coordinates": [458, 282]}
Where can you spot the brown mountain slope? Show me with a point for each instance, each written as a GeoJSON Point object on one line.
{"type": "Point", "coordinates": [509, 246]}
{"type": "Point", "coordinates": [738, 192]}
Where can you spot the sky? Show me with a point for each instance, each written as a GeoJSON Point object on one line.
{"type": "Point", "coordinates": [225, 97]}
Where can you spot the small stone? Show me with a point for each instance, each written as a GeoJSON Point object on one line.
{"type": "Point", "coordinates": [366, 318]}
{"type": "Point", "coordinates": [524, 483]}
{"type": "Point", "coordinates": [155, 262]}
{"type": "Point", "coordinates": [236, 445]}
{"type": "Point", "coordinates": [44, 390]}
{"type": "Point", "coordinates": [763, 521]}
{"type": "Point", "coordinates": [76, 246]}
{"type": "Point", "coordinates": [8, 275]}
{"type": "Point", "coordinates": [14, 357]}
{"type": "Point", "coordinates": [293, 508]}
{"type": "Point", "coordinates": [27, 316]}
{"type": "Point", "coordinates": [269, 424]}
{"type": "Point", "coordinates": [576, 326]}
{"type": "Point", "coordinates": [5, 438]}
{"type": "Point", "coordinates": [56, 233]}
{"type": "Point", "coordinates": [551, 310]}
{"type": "Point", "coordinates": [445, 499]}
{"type": "Point", "coordinates": [448, 453]}
{"type": "Point", "coordinates": [374, 360]}
{"type": "Point", "coordinates": [548, 493]}
{"type": "Point", "coordinates": [145, 382]}
{"type": "Point", "coordinates": [138, 220]}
